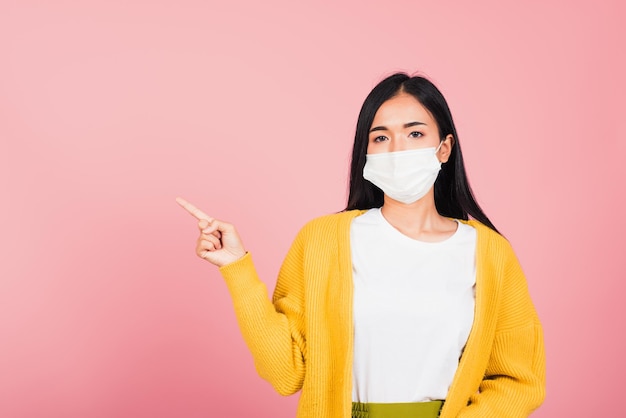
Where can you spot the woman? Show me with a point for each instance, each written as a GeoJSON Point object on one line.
{"type": "Point", "coordinates": [399, 306]}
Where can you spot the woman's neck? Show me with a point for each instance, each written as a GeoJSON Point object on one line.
{"type": "Point", "coordinates": [419, 220]}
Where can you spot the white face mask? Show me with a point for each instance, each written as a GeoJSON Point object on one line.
{"type": "Point", "coordinates": [405, 176]}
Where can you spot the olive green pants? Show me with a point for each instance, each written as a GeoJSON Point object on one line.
{"type": "Point", "coordinates": [397, 410]}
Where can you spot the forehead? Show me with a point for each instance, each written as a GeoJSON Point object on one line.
{"type": "Point", "coordinates": [401, 109]}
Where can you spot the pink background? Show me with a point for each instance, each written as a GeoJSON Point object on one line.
{"type": "Point", "coordinates": [111, 109]}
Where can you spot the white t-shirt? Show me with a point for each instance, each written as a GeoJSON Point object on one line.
{"type": "Point", "coordinates": [413, 310]}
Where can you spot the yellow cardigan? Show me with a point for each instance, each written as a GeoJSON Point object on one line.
{"type": "Point", "coordinates": [303, 338]}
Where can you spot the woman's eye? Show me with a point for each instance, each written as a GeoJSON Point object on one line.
{"type": "Point", "coordinates": [380, 138]}
{"type": "Point", "coordinates": [416, 134]}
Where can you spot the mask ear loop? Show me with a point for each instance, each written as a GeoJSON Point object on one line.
{"type": "Point", "coordinates": [437, 150]}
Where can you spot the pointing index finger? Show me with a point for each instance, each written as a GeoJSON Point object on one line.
{"type": "Point", "coordinates": [194, 211]}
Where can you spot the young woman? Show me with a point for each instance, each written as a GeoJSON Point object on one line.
{"type": "Point", "coordinates": [407, 304]}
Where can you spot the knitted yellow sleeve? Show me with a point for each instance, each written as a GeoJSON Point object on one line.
{"type": "Point", "coordinates": [273, 331]}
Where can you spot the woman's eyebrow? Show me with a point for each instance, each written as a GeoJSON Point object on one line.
{"type": "Point", "coordinates": [378, 128]}
{"type": "Point", "coordinates": [406, 125]}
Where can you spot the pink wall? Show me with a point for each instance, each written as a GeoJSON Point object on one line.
{"type": "Point", "coordinates": [111, 109]}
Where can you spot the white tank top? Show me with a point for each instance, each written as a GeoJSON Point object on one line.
{"type": "Point", "coordinates": [413, 310]}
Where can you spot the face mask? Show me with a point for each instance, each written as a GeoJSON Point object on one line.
{"type": "Point", "coordinates": [405, 176]}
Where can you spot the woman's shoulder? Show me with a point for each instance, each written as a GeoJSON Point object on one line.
{"type": "Point", "coordinates": [330, 224]}
{"type": "Point", "coordinates": [492, 244]}
{"type": "Point", "coordinates": [487, 236]}
{"type": "Point", "coordinates": [483, 229]}
{"type": "Point", "coordinates": [333, 220]}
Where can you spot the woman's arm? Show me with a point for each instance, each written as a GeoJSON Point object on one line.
{"type": "Point", "coordinates": [273, 331]}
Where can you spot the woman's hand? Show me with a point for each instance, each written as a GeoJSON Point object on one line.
{"type": "Point", "coordinates": [219, 242]}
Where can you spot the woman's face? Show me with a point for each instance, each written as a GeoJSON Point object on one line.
{"type": "Point", "coordinates": [401, 124]}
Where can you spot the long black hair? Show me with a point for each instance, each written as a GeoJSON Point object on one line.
{"type": "Point", "coordinates": [453, 195]}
